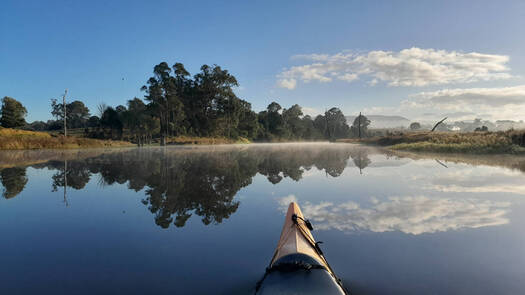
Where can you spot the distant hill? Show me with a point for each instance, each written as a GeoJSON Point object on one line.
{"type": "Point", "coordinates": [379, 121]}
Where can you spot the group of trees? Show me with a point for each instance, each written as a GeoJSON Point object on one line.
{"type": "Point", "coordinates": [76, 113]}
{"type": "Point", "coordinates": [12, 113]}
{"type": "Point", "coordinates": [278, 123]}
{"type": "Point", "coordinates": [206, 105]}
{"type": "Point", "coordinates": [176, 103]}
{"type": "Point", "coordinates": [360, 127]}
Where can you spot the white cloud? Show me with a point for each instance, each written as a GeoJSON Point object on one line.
{"type": "Point", "coordinates": [411, 215]}
{"type": "Point", "coordinates": [497, 103]}
{"type": "Point", "coordinates": [287, 83]}
{"type": "Point", "coordinates": [408, 67]}
{"type": "Point", "coordinates": [492, 97]}
{"type": "Point", "coordinates": [348, 77]}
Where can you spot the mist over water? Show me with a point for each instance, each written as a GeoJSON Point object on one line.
{"type": "Point", "coordinates": [205, 220]}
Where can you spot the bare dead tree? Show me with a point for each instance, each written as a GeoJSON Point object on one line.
{"type": "Point", "coordinates": [65, 112]}
{"type": "Point", "coordinates": [101, 107]}
{"type": "Point", "coordinates": [437, 124]}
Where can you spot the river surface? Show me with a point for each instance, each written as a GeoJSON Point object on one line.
{"type": "Point", "coordinates": [206, 220]}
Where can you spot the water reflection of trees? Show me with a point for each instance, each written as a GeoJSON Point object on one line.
{"type": "Point", "coordinates": [75, 174]}
{"type": "Point", "coordinates": [179, 183]}
{"type": "Point", "coordinates": [13, 180]}
{"type": "Point", "coordinates": [360, 159]}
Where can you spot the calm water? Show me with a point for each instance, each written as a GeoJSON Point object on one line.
{"type": "Point", "coordinates": [206, 220]}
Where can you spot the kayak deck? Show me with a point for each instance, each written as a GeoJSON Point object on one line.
{"type": "Point", "coordinates": [298, 265]}
{"type": "Point", "coordinates": [296, 237]}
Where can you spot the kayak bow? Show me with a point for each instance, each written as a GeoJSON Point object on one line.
{"type": "Point", "coordinates": [298, 265]}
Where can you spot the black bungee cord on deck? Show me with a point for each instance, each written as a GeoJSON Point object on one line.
{"type": "Point", "coordinates": [292, 266]}
{"type": "Point", "coordinates": [306, 221]}
{"type": "Point", "coordinates": [315, 245]}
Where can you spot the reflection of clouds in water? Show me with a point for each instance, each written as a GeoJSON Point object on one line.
{"type": "Point", "coordinates": [411, 215]}
{"type": "Point", "coordinates": [515, 189]}
{"type": "Point", "coordinates": [479, 180]}
{"type": "Point", "coordinates": [285, 201]}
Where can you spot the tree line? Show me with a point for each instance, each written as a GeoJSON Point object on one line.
{"type": "Point", "coordinates": [203, 105]}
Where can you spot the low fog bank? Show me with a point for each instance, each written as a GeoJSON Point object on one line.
{"type": "Point", "coordinates": [401, 123]}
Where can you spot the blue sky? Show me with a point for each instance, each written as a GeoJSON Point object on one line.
{"type": "Point", "coordinates": [460, 58]}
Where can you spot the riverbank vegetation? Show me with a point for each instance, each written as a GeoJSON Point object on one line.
{"type": "Point", "coordinates": [13, 139]}
{"type": "Point", "coordinates": [511, 141]}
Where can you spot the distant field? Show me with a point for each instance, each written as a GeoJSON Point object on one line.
{"type": "Point", "coordinates": [14, 139]}
{"type": "Point", "coordinates": [512, 142]}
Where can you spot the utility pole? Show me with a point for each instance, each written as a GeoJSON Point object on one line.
{"type": "Point", "coordinates": [65, 114]}
{"type": "Point", "coordinates": [359, 124]}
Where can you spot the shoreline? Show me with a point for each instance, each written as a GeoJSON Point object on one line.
{"type": "Point", "coordinates": [16, 139]}
{"type": "Point", "coordinates": [481, 143]}
{"type": "Point", "coordinates": [502, 142]}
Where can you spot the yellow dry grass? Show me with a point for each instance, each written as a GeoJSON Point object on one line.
{"type": "Point", "coordinates": [14, 139]}
{"type": "Point", "coordinates": [16, 133]}
{"type": "Point", "coordinates": [452, 142]}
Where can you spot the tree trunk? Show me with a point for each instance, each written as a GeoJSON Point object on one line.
{"type": "Point", "coordinates": [437, 124]}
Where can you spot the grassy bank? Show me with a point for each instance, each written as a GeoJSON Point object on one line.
{"type": "Point", "coordinates": [13, 139]}
{"type": "Point", "coordinates": [508, 142]}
